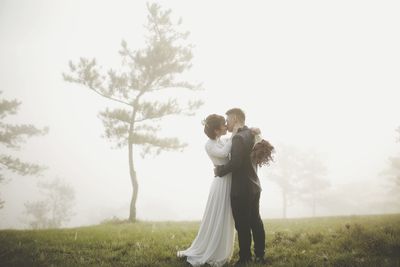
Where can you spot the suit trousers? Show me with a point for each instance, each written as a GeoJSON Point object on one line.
{"type": "Point", "coordinates": [246, 213]}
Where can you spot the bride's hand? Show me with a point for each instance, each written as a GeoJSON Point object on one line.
{"type": "Point", "coordinates": [255, 130]}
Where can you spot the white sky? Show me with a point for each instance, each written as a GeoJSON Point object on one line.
{"type": "Point", "coordinates": [314, 74]}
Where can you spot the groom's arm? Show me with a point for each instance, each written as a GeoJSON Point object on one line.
{"type": "Point", "coordinates": [237, 154]}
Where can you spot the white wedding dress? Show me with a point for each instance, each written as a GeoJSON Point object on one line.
{"type": "Point", "coordinates": [214, 241]}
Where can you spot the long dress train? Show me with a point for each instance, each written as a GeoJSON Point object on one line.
{"type": "Point", "coordinates": [214, 241]}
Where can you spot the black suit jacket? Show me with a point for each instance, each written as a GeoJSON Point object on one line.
{"type": "Point", "coordinates": [245, 180]}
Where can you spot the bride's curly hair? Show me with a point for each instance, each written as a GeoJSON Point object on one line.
{"type": "Point", "coordinates": [211, 123]}
{"type": "Point", "coordinates": [262, 153]}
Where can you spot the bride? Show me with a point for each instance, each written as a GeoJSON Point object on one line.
{"type": "Point", "coordinates": [214, 241]}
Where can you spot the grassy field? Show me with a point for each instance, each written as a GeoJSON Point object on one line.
{"type": "Point", "coordinates": [328, 241]}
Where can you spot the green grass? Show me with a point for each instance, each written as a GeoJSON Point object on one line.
{"type": "Point", "coordinates": [327, 241]}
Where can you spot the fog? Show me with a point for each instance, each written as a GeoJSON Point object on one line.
{"type": "Point", "coordinates": [319, 76]}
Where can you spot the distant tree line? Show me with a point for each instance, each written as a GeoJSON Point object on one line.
{"type": "Point", "coordinates": [56, 208]}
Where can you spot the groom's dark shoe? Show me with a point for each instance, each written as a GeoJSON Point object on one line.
{"type": "Point", "coordinates": [260, 260]}
{"type": "Point", "coordinates": [242, 262]}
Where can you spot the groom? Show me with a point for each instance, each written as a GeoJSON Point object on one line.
{"type": "Point", "coordinates": [245, 189]}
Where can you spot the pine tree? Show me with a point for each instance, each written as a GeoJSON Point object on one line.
{"type": "Point", "coordinates": [144, 72]}
{"type": "Point", "coordinates": [11, 138]}
{"type": "Point", "coordinates": [55, 209]}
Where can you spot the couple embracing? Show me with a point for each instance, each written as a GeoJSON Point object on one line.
{"type": "Point", "coordinates": [234, 196]}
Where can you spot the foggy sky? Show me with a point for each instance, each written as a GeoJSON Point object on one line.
{"type": "Point", "coordinates": [320, 76]}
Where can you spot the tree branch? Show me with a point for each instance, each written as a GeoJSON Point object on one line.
{"type": "Point", "coordinates": [167, 143]}
{"type": "Point", "coordinates": [153, 110]}
{"type": "Point", "coordinates": [179, 85]}
{"type": "Point", "coordinates": [11, 135]}
{"type": "Point", "coordinates": [8, 107]}
{"type": "Point", "coordinates": [88, 76]}
{"type": "Point", "coordinates": [22, 168]}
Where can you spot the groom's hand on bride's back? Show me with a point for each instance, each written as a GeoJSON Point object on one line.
{"type": "Point", "coordinates": [255, 131]}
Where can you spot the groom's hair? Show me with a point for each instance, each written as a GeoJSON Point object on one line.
{"type": "Point", "coordinates": [238, 113]}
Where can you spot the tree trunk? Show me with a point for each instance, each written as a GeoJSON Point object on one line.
{"type": "Point", "coordinates": [132, 172]}
{"type": "Point", "coordinates": [284, 198]}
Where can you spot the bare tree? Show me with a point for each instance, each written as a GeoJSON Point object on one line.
{"type": "Point", "coordinates": [38, 210]}
{"type": "Point", "coordinates": [144, 72]}
{"type": "Point", "coordinates": [11, 138]}
{"type": "Point", "coordinates": [298, 174]}
{"type": "Point", "coordinates": [392, 173]}
{"type": "Point", "coordinates": [313, 181]}
{"type": "Point", "coordinates": [284, 172]}
{"type": "Point", "coordinates": [55, 209]}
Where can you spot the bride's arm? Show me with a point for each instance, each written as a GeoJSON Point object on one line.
{"type": "Point", "coordinates": [237, 157]}
{"type": "Point", "coordinates": [219, 151]}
